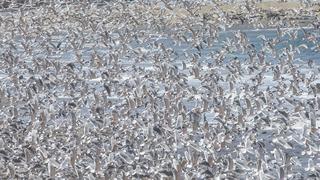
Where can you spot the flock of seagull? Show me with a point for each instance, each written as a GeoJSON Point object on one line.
{"type": "Point", "coordinates": [137, 90]}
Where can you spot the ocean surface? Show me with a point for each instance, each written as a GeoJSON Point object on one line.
{"type": "Point", "coordinates": [254, 38]}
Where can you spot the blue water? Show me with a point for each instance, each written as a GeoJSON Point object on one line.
{"type": "Point", "coordinates": [206, 54]}
{"type": "Point", "coordinates": [285, 41]}
{"type": "Point", "coordinates": [252, 35]}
